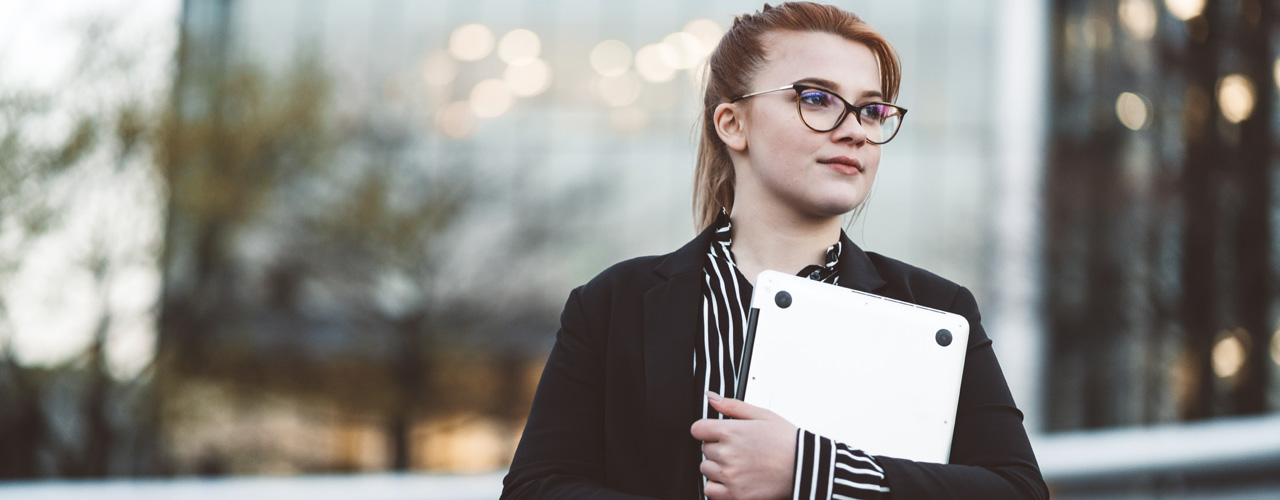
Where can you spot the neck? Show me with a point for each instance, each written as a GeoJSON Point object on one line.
{"type": "Point", "coordinates": [785, 242]}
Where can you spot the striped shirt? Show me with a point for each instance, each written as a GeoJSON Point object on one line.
{"type": "Point", "coordinates": [824, 468]}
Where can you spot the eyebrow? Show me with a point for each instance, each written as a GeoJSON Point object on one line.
{"type": "Point", "coordinates": [832, 86]}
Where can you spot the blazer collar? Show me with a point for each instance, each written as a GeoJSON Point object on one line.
{"type": "Point", "coordinates": [688, 258]}
{"type": "Point", "coordinates": [856, 269]}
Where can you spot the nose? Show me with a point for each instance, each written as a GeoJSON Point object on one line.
{"type": "Point", "coordinates": [850, 129]}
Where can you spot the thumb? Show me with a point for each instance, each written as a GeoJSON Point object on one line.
{"type": "Point", "coordinates": [740, 410]}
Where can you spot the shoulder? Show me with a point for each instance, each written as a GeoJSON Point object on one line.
{"type": "Point", "coordinates": [621, 285]}
{"type": "Point", "coordinates": [635, 273]}
{"type": "Point", "coordinates": [912, 284]}
{"type": "Point", "coordinates": [612, 303]}
{"type": "Point", "coordinates": [638, 275]}
{"type": "Point", "coordinates": [619, 292]}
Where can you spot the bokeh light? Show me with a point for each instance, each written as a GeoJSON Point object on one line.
{"type": "Point", "coordinates": [519, 47]}
{"type": "Point", "coordinates": [618, 90]}
{"type": "Point", "coordinates": [491, 98]}
{"type": "Point", "coordinates": [1185, 9]}
{"type": "Point", "coordinates": [685, 51]}
{"type": "Point", "coordinates": [1275, 347]}
{"type": "Point", "coordinates": [1133, 110]}
{"type": "Point", "coordinates": [1235, 97]}
{"type": "Point", "coordinates": [471, 42]}
{"type": "Point", "coordinates": [439, 69]}
{"type": "Point", "coordinates": [1275, 72]}
{"type": "Point", "coordinates": [529, 78]}
{"type": "Point", "coordinates": [456, 120]}
{"type": "Point", "coordinates": [1138, 18]}
{"type": "Point", "coordinates": [1229, 353]}
{"type": "Point", "coordinates": [707, 32]}
{"type": "Point", "coordinates": [653, 62]}
{"type": "Point", "coordinates": [611, 58]}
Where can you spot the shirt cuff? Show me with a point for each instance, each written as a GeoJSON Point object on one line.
{"type": "Point", "coordinates": [829, 469]}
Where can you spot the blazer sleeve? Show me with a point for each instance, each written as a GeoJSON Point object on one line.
{"type": "Point", "coordinates": [561, 454]}
{"type": "Point", "coordinates": [991, 456]}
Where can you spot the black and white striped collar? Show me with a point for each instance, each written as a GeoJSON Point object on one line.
{"type": "Point", "coordinates": [827, 272]}
{"type": "Point", "coordinates": [857, 270]}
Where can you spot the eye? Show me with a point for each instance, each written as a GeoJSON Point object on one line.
{"type": "Point", "coordinates": [817, 98]}
{"type": "Point", "coordinates": [877, 112]}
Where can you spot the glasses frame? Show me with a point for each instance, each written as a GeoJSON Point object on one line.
{"type": "Point", "coordinates": [848, 108]}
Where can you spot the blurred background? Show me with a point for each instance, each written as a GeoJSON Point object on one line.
{"type": "Point", "coordinates": [288, 248]}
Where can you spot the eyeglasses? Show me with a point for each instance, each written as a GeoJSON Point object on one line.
{"type": "Point", "coordinates": [823, 110]}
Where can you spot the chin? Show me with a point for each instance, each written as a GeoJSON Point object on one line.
{"type": "Point", "coordinates": [838, 201]}
{"type": "Point", "coordinates": [844, 203]}
{"type": "Point", "coordinates": [836, 208]}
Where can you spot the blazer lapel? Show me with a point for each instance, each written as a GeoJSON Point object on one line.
{"type": "Point", "coordinates": [671, 313]}
{"type": "Point", "coordinates": [856, 269]}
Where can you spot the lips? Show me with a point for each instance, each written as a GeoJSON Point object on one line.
{"type": "Point", "coordinates": [844, 164]}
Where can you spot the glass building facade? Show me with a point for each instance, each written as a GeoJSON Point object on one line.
{"type": "Point", "coordinates": [1099, 173]}
{"type": "Point", "coordinates": [1161, 213]}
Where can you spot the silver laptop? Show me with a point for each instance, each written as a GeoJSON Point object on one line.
{"type": "Point", "coordinates": [877, 374]}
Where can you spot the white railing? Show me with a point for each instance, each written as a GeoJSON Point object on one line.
{"type": "Point", "coordinates": [1071, 458]}
{"type": "Point", "coordinates": [345, 487]}
{"type": "Point", "coordinates": [1213, 446]}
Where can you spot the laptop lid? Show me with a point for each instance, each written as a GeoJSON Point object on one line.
{"type": "Point", "coordinates": [877, 374]}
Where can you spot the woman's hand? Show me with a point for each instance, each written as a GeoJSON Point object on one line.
{"type": "Point", "coordinates": [751, 457]}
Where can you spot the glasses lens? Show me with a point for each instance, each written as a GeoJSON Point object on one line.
{"type": "Point", "coordinates": [880, 121]}
{"type": "Point", "coordinates": [820, 110]}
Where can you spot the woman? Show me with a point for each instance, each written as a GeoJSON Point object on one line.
{"type": "Point", "coordinates": [632, 400]}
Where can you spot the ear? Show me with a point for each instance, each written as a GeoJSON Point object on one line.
{"type": "Point", "coordinates": [731, 126]}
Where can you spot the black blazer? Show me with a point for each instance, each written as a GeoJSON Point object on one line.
{"type": "Point", "coordinates": [612, 412]}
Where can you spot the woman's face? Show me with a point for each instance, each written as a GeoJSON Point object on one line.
{"type": "Point", "coordinates": [783, 163]}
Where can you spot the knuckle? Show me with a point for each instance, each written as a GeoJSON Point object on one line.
{"type": "Point", "coordinates": [702, 429]}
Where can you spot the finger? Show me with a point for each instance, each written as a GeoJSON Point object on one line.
{"type": "Point", "coordinates": [712, 470]}
{"type": "Point", "coordinates": [708, 429]}
{"type": "Point", "coordinates": [734, 408]}
{"type": "Point", "coordinates": [715, 490]}
{"type": "Point", "coordinates": [713, 451]}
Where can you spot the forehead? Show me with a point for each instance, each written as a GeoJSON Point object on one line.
{"type": "Point", "coordinates": [793, 55]}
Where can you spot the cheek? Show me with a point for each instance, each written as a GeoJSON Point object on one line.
{"type": "Point", "coordinates": [778, 149]}
{"type": "Point", "coordinates": [872, 161]}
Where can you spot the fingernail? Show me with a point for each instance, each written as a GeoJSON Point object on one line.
{"type": "Point", "coordinates": [714, 397]}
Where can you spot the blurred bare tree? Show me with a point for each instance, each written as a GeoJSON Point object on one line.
{"type": "Point", "coordinates": [302, 251]}
{"type": "Point", "coordinates": [24, 217]}
{"type": "Point", "coordinates": [317, 253]}
{"type": "Point", "coordinates": [64, 419]}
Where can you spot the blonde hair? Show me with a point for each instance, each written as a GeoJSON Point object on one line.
{"type": "Point", "coordinates": [735, 63]}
